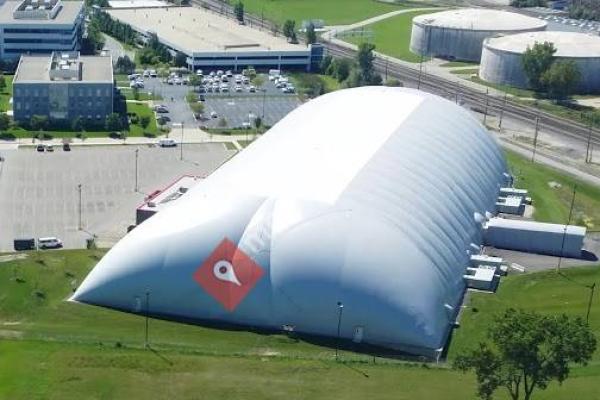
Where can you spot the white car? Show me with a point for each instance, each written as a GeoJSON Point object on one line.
{"type": "Point", "coordinates": [219, 73]}
{"type": "Point", "coordinates": [199, 72]}
{"type": "Point", "coordinates": [213, 114]}
{"type": "Point", "coordinates": [49, 243]}
{"type": "Point", "coordinates": [224, 88]}
{"type": "Point", "coordinates": [167, 142]}
{"type": "Point", "coordinates": [252, 89]}
{"type": "Point", "coordinates": [238, 88]}
{"type": "Point", "coordinates": [229, 73]}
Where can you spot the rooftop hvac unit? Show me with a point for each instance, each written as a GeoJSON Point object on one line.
{"type": "Point", "coordinates": [151, 204]}
{"type": "Point", "coordinates": [29, 8]}
{"type": "Point", "coordinates": [34, 2]}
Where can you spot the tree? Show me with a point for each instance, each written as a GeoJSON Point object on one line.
{"type": "Point", "coordinates": [144, 121]}
{"type": "Point", "coordinates": [113, 122]}
{"type": "Point", "coordinates": [238, 10]}
{"type": "Point", "coordinates": [528, 3]}
{"type": "Point", "coordinates": [4, 122]}
{"type": "Point", "coordinates": [311, 35]}
{"type": "Point", "coordinates": [393, 83]}
{"type": "Point", "coordinates": [365, 60]}
{"type": "Point", "coordinates": [180, 60]}
{"type": "Point", "coordinates": [561, 79]}
{"type": "Point", "coordinates": [258, 123]}
{"type": "Point", "coordinates": [289, 30]}
{"type": "Point", "coordinates": [527, 352]}
{"type": "Point", "coordinates": [325, 63]}
{"type": "Point", "coordinates": [38, 122]}
{"type": "Point", "coordinates": [340, 69]}
{"type": "Point", "coordinates": [77, 124]}
{"type": "Point", "coordinates": [194, 81]}
{"type": "Point", "coordinates": [536, 60]}
{"type": "Point", "coordinates": [2, 83]}
{"type": "Point", "coordinates": [124, 65]}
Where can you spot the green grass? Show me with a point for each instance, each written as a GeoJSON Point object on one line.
{"type": "Point", "coordinates": [465, 71]}
{"type": "Point", "coordinates": [141, 109]}
{"type": "Point", "coordinates": [392, 36]}
{"type": "Point", "coordinates": [453, 64]}
{"type": "Point", "coordinates": [505, 88]}
{"type": "Point", "coordinates": [6, 94]}
{"type": "Point", "coordinates": [142, 95]}
{"type": "Point", "coordinates": [51, 349]}
{"type": "Point", "coordinates": [552, 204]}
{"type": "Point", "coordinates": [544, 292]}
{"type": "Point", "coordinates": [305, 82]}
{"type": "Point", "coordinates": [334, 12]}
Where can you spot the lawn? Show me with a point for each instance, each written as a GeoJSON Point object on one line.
{"type": "Point", "coordinates": [505, 88]}
{"type": "Point", "coordinates": [454, 64]}
{"type": "Point", "coordinates": [552, 204]}
{"type": "Point", "coordinates": [307, 84]}
{"type": "Point", "coordinates": [392, 36]}
{"type": "Point", "coordinates": [143, 95]}
{"type": "Point", "coordinates": [465, 71]}
{"type": "Point", "coordinates": [51, 349]}
{"type": "Point", "coordinates": [141, 109]}
{"type": "Point", "coordinates": [6, 94]}
{"type": "Point", "coordinates": [333, 12]}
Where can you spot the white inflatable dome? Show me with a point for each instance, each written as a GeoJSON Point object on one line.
{"type": "Point", "coordinates": [364, 198]}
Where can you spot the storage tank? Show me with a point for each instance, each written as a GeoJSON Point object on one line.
{"type": "Point", "coordinates": [459, 34]}
{"type": "Point", "coordinates": [501, 60]}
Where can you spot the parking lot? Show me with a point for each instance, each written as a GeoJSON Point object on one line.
{"type": "Point", "coordinates": [268, 102]}
{"type": "Point", "coordinates": [39, 193]}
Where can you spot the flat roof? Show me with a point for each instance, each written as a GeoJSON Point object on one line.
{"type": "Point", "coordinates": [192, 29]}
{"type": "Point", "coordinates": [567, 44]}
{"type": "Point", "coordinates": [164, 198]}
{"type": "Point", "coordinates": [480, 19]}
{"type": "Point", "coordinates": [67, 15]}
{"type": "Point", "coordinates": [535, 226]}
{"type": "Point", "coordinates": [36, 68]}
{"type": "Point", "coordinates": [137, 3]}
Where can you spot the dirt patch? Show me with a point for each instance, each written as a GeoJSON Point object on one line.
{"type": "Point", "coordinates": [12, 257]}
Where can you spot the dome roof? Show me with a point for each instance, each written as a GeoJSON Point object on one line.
{"type": "Point", "coordinates": [365, 197]}
{"type": "Point", "coordinates": [480, 19]}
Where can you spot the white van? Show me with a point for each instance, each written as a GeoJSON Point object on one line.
{"type": "Point", "coordinates": [167, 142]}
{"type": "Point", "coordinates": [49, 243]}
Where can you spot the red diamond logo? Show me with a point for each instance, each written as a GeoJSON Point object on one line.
{"type": "Point", "coordinates": [228, 274]}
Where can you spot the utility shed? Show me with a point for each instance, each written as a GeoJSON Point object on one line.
{"type": "Point", "coordinates": [535, 237]}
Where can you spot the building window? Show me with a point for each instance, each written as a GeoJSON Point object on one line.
{"type": "Point", "coordinates": [17, 105]}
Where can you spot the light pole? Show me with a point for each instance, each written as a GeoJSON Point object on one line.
{"type": "Point", "coordinates": [535, 137]}
{"type": "Point", "coordinates": [502, 111]}
{"type": "Point", "coordinates": [592, 287]}
{"type": "Point", "coordinates": [337, 343]}
{"type": "Point", "coordinates": [263, 106]}
{"type": "Point", "coordinates": [80, 224]}
{"type": "Point", "coordinates": [136, 170]}
{"type": "Point", "coordinates": [562, 245]}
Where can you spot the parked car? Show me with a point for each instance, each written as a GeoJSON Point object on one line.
{"type": "Point", "coordinates": [238, 88]}
{"type": "Point", "coordinates": [167, 142]}
{"type": "Point", "coordinates": [49, 147]}
{"type": "Point", "coordinates": [252, 89]}
{"type": "Point", "coordinates": [163, 119]}
{"type": "Point", "coordinates": [202, 97]}
{"type": "Point", "coordinates": [160, 108]}
{"type": "Point", "coordinates": [49, 243]}
{"type": "Point", "coordinates": [213, 114]}
{"type": "Point", "coordinates": [41, 148]}
{"type": "Point", "coordinates": [229, 73]}
{"type": "Point", "coordinates": [66, 147]}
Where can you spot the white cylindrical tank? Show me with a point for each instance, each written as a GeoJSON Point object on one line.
{"type": "Point", "coordinates": [501, 60]}
{"type": "Point", "coordinates": [459, 34]}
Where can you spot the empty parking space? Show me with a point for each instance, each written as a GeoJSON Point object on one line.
{"type": "Point", "coordinates": [39, 193]}
{"type": "Point", "coordinates": [236, 110]}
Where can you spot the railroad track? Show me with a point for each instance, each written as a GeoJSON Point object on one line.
{"type": "Point", "coordinates": [474, 98]}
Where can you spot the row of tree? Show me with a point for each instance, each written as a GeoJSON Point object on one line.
{"type": "Point", "coordinates": [354, 73]}
{"type": "Point", "coordinates": [557, 78]}
{"type": "Point", "coordinates": [123, 32]}
{"type": "Point", "coordinates": [528, 3]}
{"type": "Point", "coordinates": [584, 9]}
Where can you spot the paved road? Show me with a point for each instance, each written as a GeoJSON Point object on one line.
{"type": "Point", "coordinates": [39, 196]}
{"type": "Point", "coordinates": [116, 48]}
